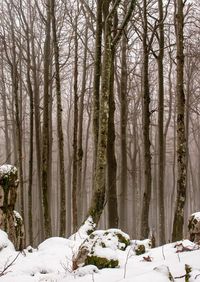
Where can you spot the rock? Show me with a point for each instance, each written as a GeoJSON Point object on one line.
{"type": "Point", "coordinates": [139, 250]}
{"type": "Point", "coordinates": [10, 220]}
{"type": "Point", "coordinates": [100, 249]}
{"type": "Point", "coordinates": [194, 227]}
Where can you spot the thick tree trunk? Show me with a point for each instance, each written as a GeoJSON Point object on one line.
{"type": "Point", "coordinates": [98, 199]}
{"type": "Point", "coordinates": [110, 43]}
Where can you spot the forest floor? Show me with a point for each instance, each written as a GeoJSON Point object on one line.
{"type": "Point", "coordinates": [52, 262]}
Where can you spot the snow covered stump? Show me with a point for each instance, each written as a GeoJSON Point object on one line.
{"type": "Point", "coordinates": [10, 220]}
{"type": "Point", "coordinates": [194, 227]}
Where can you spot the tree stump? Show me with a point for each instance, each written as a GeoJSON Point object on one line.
{"type": "Point", "coordinates": [10, 220]}
{"type": "Point", "coordinates": [194, 227]}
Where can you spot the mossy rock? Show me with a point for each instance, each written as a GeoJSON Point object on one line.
{"type": "Point", "coordinates": [8, 176]}
{"type": "Point", "coordinates": [124, 240]}
{"type": "Point", "coordinates": [103, 238]}
{"type": "Point", "coordinates": [194, 227]}
{"type": "Point", "coordinates": [102, 247]}
{"type": "Point", "coordinates": [139, 250]}
{"type": "Point", "coordinates": [101, 262]}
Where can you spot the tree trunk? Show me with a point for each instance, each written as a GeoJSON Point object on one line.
{"type": "Point", "coordinates": [80, 133]}
{"type": "Point", "coordinates": [5, 114]}
{"type": "Point", "coordinates": [161, 159]}
{"type": "Point", "coordinates": [45, 135]}
{"type": "Point", "coordinates": [177, 233]}
{"type": "Point", "coordinates": [37, 127]}
{"type": "Point", "coordinates": [59, 126]}
{"type": "Point", "coordinates": [146, 139]}
{"type": "Point", "coordinates": [98, 199]}
{"type": "Point", "coordinates": [123, 133]}
{"type": "Point", "coordinates": [111, 159]}
{"type": "Point", "coordinates": [97, 76]}
{"type": "Point", "coordinates": [75, 133]}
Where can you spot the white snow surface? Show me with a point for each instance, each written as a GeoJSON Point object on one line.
{"type": "Point", "coordinates": [52, 261]}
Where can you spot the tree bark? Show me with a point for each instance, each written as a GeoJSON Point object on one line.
{"type": "Point", "coordinates": [59, 125]}
{"type": "Point", "coordinates": [177, 233]}
{"type": "Point", "coordinates": [80, 133]}
{"type": "Point", "coordinates": [123, 139]}
{"type": "Point", "coordinates": [45, 135]}
{"type": "Point", "coordinates": [97, 76]}
{"type": "Point", "coordinates": [146, 125]}
{"type": "Point", "coordinates": [161, 159]}
{"type": "Point", "coordinates": [75, 132]}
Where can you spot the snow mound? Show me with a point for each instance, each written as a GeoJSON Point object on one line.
{"type": "Point", "coordinates": [88, 269]}
{"type": "Point", "coordinates": [5, 243]}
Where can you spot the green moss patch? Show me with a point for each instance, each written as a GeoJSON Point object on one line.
{"type": "Point", "coordinates": [101, 262]}
{"type": "Point", "coordinates": [139, 250]}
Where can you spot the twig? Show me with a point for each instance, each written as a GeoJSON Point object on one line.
{"type": "Point", "coordinates": [197, 276]}
{"type": "Point", "coordinates": [178, 254]}
{"type": "Point", "coordinates": [179, 277]}
{"type": "Point", "coordinates": [163, 252]}
{"type": "Point", "coordinates": [6, 267]}
{"type": "Point", "coordinates": [127, 257]}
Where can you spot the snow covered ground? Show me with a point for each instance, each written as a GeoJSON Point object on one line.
{"type": "Point", "coordinates": [52, 262]}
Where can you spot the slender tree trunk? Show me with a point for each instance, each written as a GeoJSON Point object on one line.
{"type": "Point", "coordinates": [85, 195]}
{"type": "Point", "coordinates": [30, 182]}
{"type": "Point", "coordinates": [146, 125]}
{"type": "Point", "coordinates": [111, 159]}
{"type": "Point", "coordinates": [45, 135]}
{"type": "Point", "coordinates": [59, 126]}
{"type": "Point", "coordinates": [80, 133]}
{"type": "Point", "coordinates": [177, 233]}
{"type": "Point", "coordinates": [37, 127]}
{"type": "Point", "coordinates": [97, 76]}
{"type": "Point", "coordinates": [161, 166]}
{"type": "Point", "coordinates": [69, 170]}
{"type": "Point", "coordinates": [3, 96]}
{"type": "Point", "coordinates": [75, 133]}
{"type": "Point", "coordinates": [123, 133]}
{"type": "Point", "coordinates": [18, 116]}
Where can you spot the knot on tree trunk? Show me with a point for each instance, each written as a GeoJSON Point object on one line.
{"type": "Point", "coordinates": [10, 220]}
